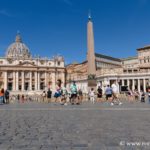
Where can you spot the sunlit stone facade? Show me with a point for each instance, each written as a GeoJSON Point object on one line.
{"type": "Point", "coordinates": [133, 72]}
{"type": "Point", "coordinates": [20, 72]}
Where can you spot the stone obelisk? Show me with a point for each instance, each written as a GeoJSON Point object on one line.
{"type": "Point", "coordinates": [91, 66]}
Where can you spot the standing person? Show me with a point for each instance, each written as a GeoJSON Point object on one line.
{"type": "Point", "coordinates": [7, 96]}
{"type": "Point", "coordinates": [80, 96]}
{"type": "Point", "coordinates": [148, 94]}
{"type": "Point", "coordinates": [136, 95]}
{"type": "Point", "coordinates": [1, 97]}
{"type": "Point", "coordinates": [92, 95]}
{"type": "Point", "coordinates": [49, 95]}
{"type": "Point", "coordinates": [115, 91]}
{"type": "Point", "coordinates": [142, 96]}
{"type": "Point", "coordinates": [108, 92]}
{"type": "Point", "coordinates": [44, 96]}
{"type": "Point", "coordinates": [18, 98]}
{"type": "Point", "coordinates": [73, 90]}
{"type": "Point", "coordinates": [99, 93]}
{"type": "Point", "coordinates": [22, 98]}
{"type": "Point", "coordinates": [57, 94]}
{"type": "Point", "coordinates": [64, 96]}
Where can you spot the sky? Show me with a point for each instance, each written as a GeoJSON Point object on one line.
{"type": "Point", "coordinates": [59, 27]}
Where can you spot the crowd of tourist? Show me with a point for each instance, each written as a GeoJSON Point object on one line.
{"type": "Point", "coordinates": [4, 96]}
{"type": "Point", "coordinates": [75, 95]}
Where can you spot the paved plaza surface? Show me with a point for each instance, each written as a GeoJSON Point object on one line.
{"type": "Point", "coordinates": [99, 126]}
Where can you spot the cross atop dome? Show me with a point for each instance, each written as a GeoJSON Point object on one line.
{"type": "Point", "coordinates": [18, 37]}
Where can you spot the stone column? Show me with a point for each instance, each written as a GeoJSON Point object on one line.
{"type": "Point", "coordinates": [30, 85]}
{"type": "Point", "coordinates": [14, 81]}
{"type": "Point", "coordinates": [5, 80]}
{"type": "Point", "coordinates": [45, 80]}
{"type": "Point", "coordinates": [144, 85]}
{"type": "Point", "coordinates": [22, 81]}
{"type": "Point", "coordinates": [53, 81]}
{"type": "Point", "coordinates": [139, 85]}
{"type": "Point", "coordinates": [17, 81]}
{"type": "Point", "coordinates": [36, 83]}
{"type": "Point", "coordinates": [122, 82]}
{"type": "Point", "coordinates": [63, 79]}
{"type": "Point", "coordinates": [128, 83]}
{"type": "Point", "coordinates": [133, 85]}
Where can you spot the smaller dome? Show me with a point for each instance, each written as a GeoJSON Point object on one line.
{"type": "Point", "coordinates": [18, 49]}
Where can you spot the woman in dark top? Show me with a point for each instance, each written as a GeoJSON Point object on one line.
{"type": "Point", "coordinates": [99, 92]}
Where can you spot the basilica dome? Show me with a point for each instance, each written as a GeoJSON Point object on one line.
{"type": "Point", "coordinates": [18, 49]}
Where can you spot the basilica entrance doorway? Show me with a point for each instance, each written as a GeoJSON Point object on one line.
{"type": "Point", "coordinates": [26, 86]}
{"type": "Point", "coordinates": [10, 85]}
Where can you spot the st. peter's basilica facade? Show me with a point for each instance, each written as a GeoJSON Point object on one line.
{"type": "Point", "coordinates": [20, 72]}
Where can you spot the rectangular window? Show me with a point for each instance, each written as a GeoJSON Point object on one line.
{"type": "Point", "coordinates": [33, 87]}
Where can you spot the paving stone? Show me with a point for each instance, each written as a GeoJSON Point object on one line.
{"type": "Point", "coordinates": [89, 126]}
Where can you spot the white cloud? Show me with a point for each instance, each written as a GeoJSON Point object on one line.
{"type": "Point", "coordinates": [5, 13]}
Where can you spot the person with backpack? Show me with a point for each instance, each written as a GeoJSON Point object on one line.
{"type": "Point", "coordinates": [73, 90]}
{"type": "Point", "coordinates": [108, 92]}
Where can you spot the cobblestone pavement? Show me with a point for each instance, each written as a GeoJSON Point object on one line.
{"type": "Point", "coordinates": [37, 126]}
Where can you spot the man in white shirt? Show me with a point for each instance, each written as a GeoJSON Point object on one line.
{"type": "Point", "coordinates": [115, 90]}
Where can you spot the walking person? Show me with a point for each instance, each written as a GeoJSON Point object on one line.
{"type": "Point", "coordinates": [80, 96]}
{"type": "Point", "coordinates": [57, 94]}
{"type": "Point", "coordinates": [92, 95]}
{"type": "Point", "coordinates": [64, 96]}
{"type": "Point", "coordinates": [115, 91]}
{"type": "Point", "coordinates": [7, 96]}
{"type": "Point", "coordinates": [73, 90]}
{"type": "Point", "coordinates": [49, 95]}
{"type": "Point", "coordinates": [108, 93]}
{"type": "Point", "coordinates": [99, 93]}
